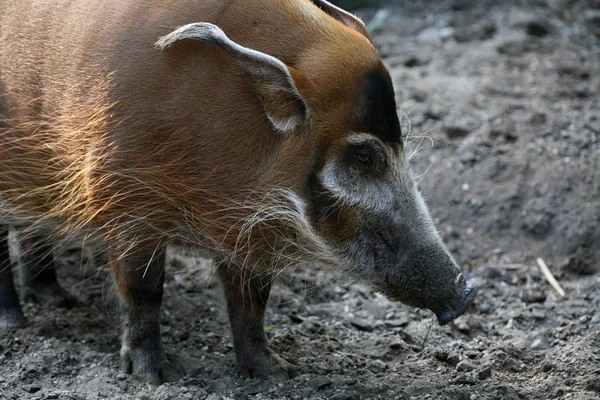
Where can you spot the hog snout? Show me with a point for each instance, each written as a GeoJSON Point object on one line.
{"type": "Point", "coordinates": [466, 292]}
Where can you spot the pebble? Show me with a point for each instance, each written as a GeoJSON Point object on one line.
{"type": "Point", "coordinates": [32, 388]}
{"type": "Point", "coordinates": [468, 157]}
{"type": "Point", "coordinates": [465, 365]}
{"type": "Point", "coordinates": [397, 323]}
{"type": "Point", "coordinates": [455, 131]}
{"type": "Point", "coordinates": [539, 344]}
{"type": "Point", "coordinates": [396, 345]}
{"type": "Point", "coordinates": [407, 337]}
{"type": "Point", "coordinates": [320, 382]}
{"type": "Point", "coordinates": [463, 327]}
{"type": "Point", "coordinates": [484, 373]}
{"type": "Point", "coordinates": [546, 366]}
{"type": "Point", "coordinates": [464, 379]}
{"type": "Point", "coordinates": [533, 295]}
{"type": "Point", "coordinates": [538, 28]}
{"type": "Point", "coordinates": [538, 118]}
{"type": "Point", "coordinates": [538, 313]}
{"type": "Point", "coordinates": [453, 358]}
{"type": "Point", "coordinates": [595, 319]}
{"type": "Point", "coordinates": [362, 324]}
{"type": "Point", "coordinates": [377, 367]}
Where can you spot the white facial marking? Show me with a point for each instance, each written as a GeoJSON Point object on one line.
{"type": "Point", "coordinates": [361, 190]}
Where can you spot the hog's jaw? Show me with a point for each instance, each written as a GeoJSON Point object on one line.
{"type": "Point", "coordinates": [366, 211]}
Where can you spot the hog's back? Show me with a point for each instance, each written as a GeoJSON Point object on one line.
{"type": "Point", "coordinates": [89, 107]}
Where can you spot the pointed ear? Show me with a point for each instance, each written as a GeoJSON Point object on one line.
{"type": "Point", "coordinates": [344, 17]}
{"type": "Point", "coordinates": [274, 83]}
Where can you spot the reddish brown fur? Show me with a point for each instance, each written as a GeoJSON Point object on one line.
{"type": "Point", "coordinates": [148, 123]}
{"type": "Point", "coordinates": [116, 132]}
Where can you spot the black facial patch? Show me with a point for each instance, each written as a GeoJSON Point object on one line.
{"type": "Point", "coordinates": [377, 108]}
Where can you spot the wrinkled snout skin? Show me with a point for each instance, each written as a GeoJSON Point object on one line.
{"type": "Point", "coordinates": [262, 132]}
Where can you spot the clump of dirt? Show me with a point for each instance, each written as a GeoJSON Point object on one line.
{"type": "Point", "coordinates": [508, 94]}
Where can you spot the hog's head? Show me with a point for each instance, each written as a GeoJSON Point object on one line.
{"type": "Point", "coordinates": [351, 197]}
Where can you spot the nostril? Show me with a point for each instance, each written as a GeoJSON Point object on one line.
{"type": "Point", "coordinates": [466, 294]}
{"type": "Point", "coordinates": [459, 283]}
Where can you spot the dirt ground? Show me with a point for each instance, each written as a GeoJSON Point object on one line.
{"type": "Point", "coordinates": [502, 98]}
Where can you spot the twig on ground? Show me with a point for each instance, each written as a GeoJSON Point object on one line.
{"type": "Point", "coordinates": [550, 278]}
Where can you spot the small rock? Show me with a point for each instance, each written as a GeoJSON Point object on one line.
{"type": "Point", "coordinates": [464, 379]}
{"type": "Point", "coordinates": [377, 367]}
{"type": "Point", "coordinates": [434, 113]}
{"type": "Point", "coordinates": [539, 344]}
{"type": "Point", "coordinates": [546, 366]}
{"type": "Point", "coordinates": [32, 388]}
{"type": "Point", "coordinates": [121, 377]}
{"type": "Point", "coordinates": [319, 382]}
{"type": "Point", "coordinates": [397, 323]}
{"type": "Point", "coordinates": [415, 61]}
{"type": "Point", "coordinates": [468, 157]}
{"type": "Point", "coordinates": [455, 131]}
{"type": "Point", "coordinates": [463, 326]}
{"type": "Point", "coordinates": [538, 28]}
{"type": "Point", "coordinates": [453, 358]}
{"type": "Point", "coordinates": [484, 373]}
{"type": "Point", "coordinates": [441, 355]}
{"type": "Point", "coordinates": [538, 313]}
{"type": "Point", "coordinates": [397, 345]}
{"type": "Point", "coordinates": [533, 295]}
{"type": "Point", "coordinates": [465, 365]}
{"type": "Point", "coordinates": [538, 118]}
{"type": "Point", "coordinates": [407, 337]}
{"type": "Point", "coordinates": [295, 318]}
{"type": "Point", "coordinates": [362, 324]}
{"type": "Point", "coordinates": [595, 319]}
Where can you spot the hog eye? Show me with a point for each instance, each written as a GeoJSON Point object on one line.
{"type": "Point", "coordinates": [364, 157]}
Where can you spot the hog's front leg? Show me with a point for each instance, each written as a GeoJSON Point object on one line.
{"type": "Point", "coordinates": [139, 275]}
{"type": "Point", "coordinates": [246, 301]}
